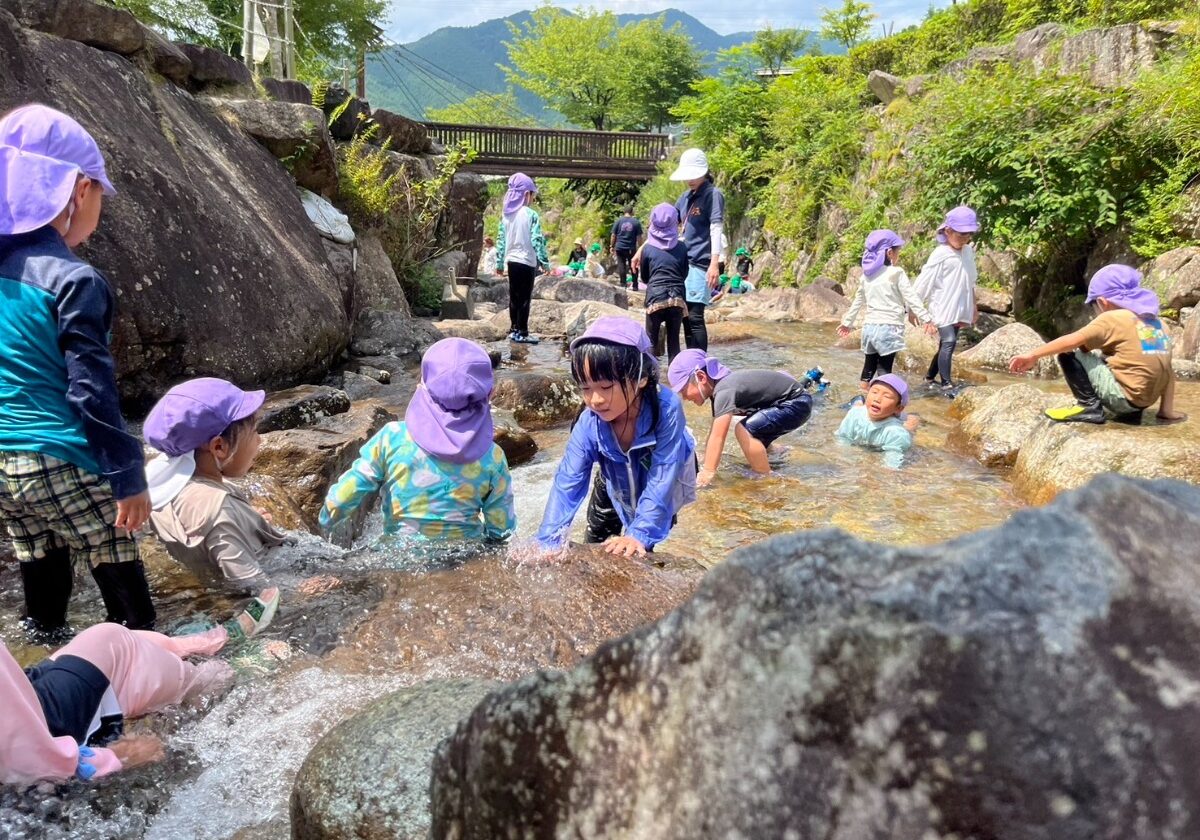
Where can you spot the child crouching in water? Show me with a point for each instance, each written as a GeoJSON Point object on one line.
{"type": "Point", "coordinates": [888, 296]}
{"type": "Point", "coordinates": [638, 435]}
{"type": "Point", "coordinates": [772, 402]}
{"type": "Point", "coordinates": [439, 474]}
{"type": "Point", "coordinates": [206, 431]}
{"type": "Point", "coordinates": [1134, 370]}
{"type": "Point", "coordinates": [876, 423]}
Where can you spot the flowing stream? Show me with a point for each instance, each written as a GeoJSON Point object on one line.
{"type": "Point", "coordinates": [334, 649]}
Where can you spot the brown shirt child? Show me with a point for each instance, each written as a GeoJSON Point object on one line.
{"type": "Point", "coordinates": [1135, 350]}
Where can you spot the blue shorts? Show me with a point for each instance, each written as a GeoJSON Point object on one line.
{"type": "Point", "coordinates": [70, 690]}
{"type": "Point", "coordinates": [773, 422]}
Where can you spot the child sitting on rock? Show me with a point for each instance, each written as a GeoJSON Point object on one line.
{"type": "Point", "coordinates": [206, 430]}
{"type": "Point", "coordinates": [439, 474]}
{"type": "Point", "coordinates": [877, 421]}
{"type": "Point", "coordinates": [773, 404]}
{"type": "Point", "coordinates": [1134, 368]}
{"type": "Point", "coordinates": [888, 297]}
{"type": "Point", "coordinates": [635, 432]}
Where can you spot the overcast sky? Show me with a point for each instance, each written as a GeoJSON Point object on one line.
{"type": "Point", "coordinates": [410, 20]}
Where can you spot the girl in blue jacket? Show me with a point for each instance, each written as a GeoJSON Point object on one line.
{"type": "Point", "coordinates": [636, 432]}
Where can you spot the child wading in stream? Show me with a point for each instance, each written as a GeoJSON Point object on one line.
{"type": "Point", "coordinates": [206, 431]}
{"type": "Point", "coordinates": [636, 432]}
{"type": "Point", "coordinates": [876, 423]}
{"type": "Point", "coordinates": [1134, 368]}
{"type": "Point", "coordinates": [888, 296]}
{"type": "Point", "coordinates": [72, 479]}
{"type": "Point", "coordinates": [438, 473]}
{"type": "Point", "coordinates": [947, 286]}
{"type": "Point", "coordinates": [664, 263]}
{"type": "Point", "coordinates": [772, 403]}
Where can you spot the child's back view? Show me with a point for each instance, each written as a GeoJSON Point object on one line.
{"type": "Point", "coordinates": [72, 480]}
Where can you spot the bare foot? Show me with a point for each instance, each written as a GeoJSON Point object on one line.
{"type": "Point", "coordinates": [136, 750]}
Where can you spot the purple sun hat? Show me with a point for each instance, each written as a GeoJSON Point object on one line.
{"type": "Point", "coordinates": [664, 227]}
{"type": "Point", "coordinates": [42, 153]}
{"type": "Point", "coordinates": [693, 361]}
{"type": "Point", "coordinates": [616, 329]}
{"type": "Point", "coordinates": [874, 258]}
{"type": "Point", "coordinates": [449, 415]}
{"type": "Point", "coordinates": [896, 384]}
{"type": "Point", "coordinates": [518, 185]}
{"type": "Point", "coordinates": [194, 412]}
{"type": "Point", "coordinates": [1121, 285]}
{"type": "Point", "coordinates": [961, 219]}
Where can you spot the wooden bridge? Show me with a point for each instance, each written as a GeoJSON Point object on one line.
{"type": "Point", "coordinates": [550, 153]}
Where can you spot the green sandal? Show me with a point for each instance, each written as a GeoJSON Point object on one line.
{"type": "Point", "coordinates": [260, 611]}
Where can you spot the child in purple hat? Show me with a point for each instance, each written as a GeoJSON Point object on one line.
{"type": "Point", "coordinates": [206, 430]}
{"type": "Point", "coordinates": [636, 432]}
{"type": "Point", "coordinates": [520, 250]}
{"type": "Point", "coordinates": [439, 474]}
{"type": "Point", "coordinates": [888, 296]}
{"type": "Point", "coordinates": [876, 423]}
{"type": "Point", "coordinates": [947, 287]}
{"type": "Point", "coordinates": [1133, 370]}
{"type": "Point", "coordinates": [772, 403]}
{"type": "Point", "coordinates": [664, 264]}
{"type": "Point", "coordinates": [72, 483]}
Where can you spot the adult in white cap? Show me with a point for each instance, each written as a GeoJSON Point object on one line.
{"type": "Point", "coordinates": [702, 211]}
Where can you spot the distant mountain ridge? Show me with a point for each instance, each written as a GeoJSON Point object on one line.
{"type": "Point", "coordinates": [451, 63]}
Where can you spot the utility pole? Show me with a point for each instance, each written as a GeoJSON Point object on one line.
{"type": "Point", "coordinates": [289, 40]}
{"type": "Point", "coordinates": [248, 12]}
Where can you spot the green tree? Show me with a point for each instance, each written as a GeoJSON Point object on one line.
{"type": "Point", "coordinates": [483, 109]}
{"type": "Point", "coordinates": [659, 66]}
{"type": "Point", "coordinates": [599, 74]}
{"type": "Point", "coordinates": [774, 48]}
{"type": "Point", "coordinates": [849, 24]}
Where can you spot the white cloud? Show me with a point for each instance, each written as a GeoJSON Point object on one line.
{"type": "Point", "coordinates": [410, 21]}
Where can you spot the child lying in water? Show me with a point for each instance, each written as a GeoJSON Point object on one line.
{"type": "Point", "coordinates": [876, 423]}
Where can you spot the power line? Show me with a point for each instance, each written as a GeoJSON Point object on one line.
{"type": "Point", "coordinates": [418, 111]}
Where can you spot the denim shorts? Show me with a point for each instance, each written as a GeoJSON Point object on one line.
{"type": "Point", "coordinates": [768, 424]}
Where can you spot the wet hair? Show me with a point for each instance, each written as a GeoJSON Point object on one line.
{"type": "Point", "coordinates": [609, 362]}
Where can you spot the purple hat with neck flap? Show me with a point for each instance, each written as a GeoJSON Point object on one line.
{"type": "Point", "coordinates": [961, 219]}
{"type": "Point", "coordinates": [664, 226]}
{"type": "Point", "coordinates": [874, 258]}
{"type": "Point", "coordinates": [449, 415]}
{"type": "Point", "coordinates": [896, 384]}
{"type": "Point", "coordinates": [1121, 286]}
{"type": "Point", "coordinates": [690, 362]}
{"type": "Point", "coordinates": [518, 185]}
{"type": "Point", "coordinates": [42, 154]}
{"type": "Point", "coordinates": [194, 412]}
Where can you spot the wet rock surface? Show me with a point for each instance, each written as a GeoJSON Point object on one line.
{"type": "Point", "coordinates": [1032, 681]}
{"type": "Point", "coordinates": [537, 400]}
{"type": "Point", "coordinates": [518, 445]}
{"type": "Point", "coordinates": [301, 406]}
{"type": "Point", "coordinates": [382, 332]}
{"type": "Point", "coordinates": [577, 290]}
{"type": "Point", "coordinates": [996, 422]}
{"type": "Point", "coordinates": [816, 304]}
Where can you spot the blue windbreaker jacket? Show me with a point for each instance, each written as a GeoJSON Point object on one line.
{"type": "Point", "coordinates": [647, 486]}
{"type": "Point", "coordinates": [58, 389]}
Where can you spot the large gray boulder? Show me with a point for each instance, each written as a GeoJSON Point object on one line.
{"type": "Point", "coordinates": [295, 134]}
{"type": "Point", "coordinates": [1175, 276]}
{"type": "Point", "coordinates": [215, 71]}
{"type": "Point", "coordinates": [94, 24]}
{"type": "Point", "coordinates": [1031, 682]}
{"type": "Point", "coordinates": [884, 86]}
{"type": "Point", "coordinates": [400, 133]}
{"type": "Point", "coordinates": [461, 224]}
{"type": "Point", "coordinates": [1188, 347]}
{"type": "Point", "coordinates": [537, 400]}
{"type": "Point", "coordinates": [220, 276]}
{"type": "Point", "coordinates": [578, 290]}
{"type": "Point", "coordinates": [381, 332]}
{"type": "Point", "coordinates": [998, 349]}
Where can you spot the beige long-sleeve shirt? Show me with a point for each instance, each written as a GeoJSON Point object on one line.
{"type": "Point", "coordinates": [888, 297]}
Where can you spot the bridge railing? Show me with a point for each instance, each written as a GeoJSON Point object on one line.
{"type": "Point", "coordinates": [552, 145]}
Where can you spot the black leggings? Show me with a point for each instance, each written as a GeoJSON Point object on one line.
{"type": "Point", "coordinates": [947, 341]}
{"type": "Point", "coordinates": [877, 363]}
{"type": "Point", "coordinates": [672, 319]}
{"type": "Point", "coordinates": [520, 293]}
{"type": "Point", "coordinates": [624, 260]}
{"type": "Point", "coordinates": [695, 331]}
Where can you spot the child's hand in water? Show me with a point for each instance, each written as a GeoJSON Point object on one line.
{"type": "Point", "coordinates": [1023, 363]}
{"type": "Point", "coordinates": [704, 477]}
{"type": "Point", "coordinates": [843, 332]}
{"type": "Point", "coordinates": [911, 422]}
{"type": "Point", "coordinates": [624, 547]}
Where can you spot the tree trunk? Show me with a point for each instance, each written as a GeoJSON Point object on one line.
{"type": "Point", "coordinates": [271, 24]}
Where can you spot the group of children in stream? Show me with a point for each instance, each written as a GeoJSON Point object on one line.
{"type": "Point", "coordinates": [74, 486]}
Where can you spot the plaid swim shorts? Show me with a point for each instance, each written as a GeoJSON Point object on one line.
{"type": "Point", "coordinates": [47, 503]}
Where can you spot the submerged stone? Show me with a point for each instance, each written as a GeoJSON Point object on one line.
{"type": "Point", "coordinates": [1039, 680]}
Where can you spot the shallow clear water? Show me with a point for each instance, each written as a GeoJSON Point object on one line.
{"type": "Point", "coordinates": [390, 620]}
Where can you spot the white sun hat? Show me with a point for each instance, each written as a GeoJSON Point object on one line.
{"type": "Point", "coordinates": [693, 164]}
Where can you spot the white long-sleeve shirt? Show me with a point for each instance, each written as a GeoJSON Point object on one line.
{"type": "Point", "coordinates": [947, 285]}
{"type": "Point", "coordinates": [888, 296]}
